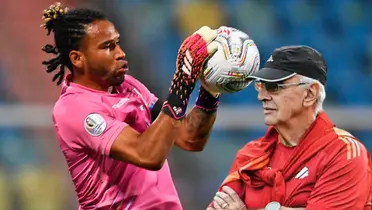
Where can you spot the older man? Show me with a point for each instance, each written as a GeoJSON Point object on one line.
{"type": "Point", "coordinates": [303, 161]}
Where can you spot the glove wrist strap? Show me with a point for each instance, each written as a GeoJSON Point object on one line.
{"type": "Point", "coordinates": [206, 101]}
{"type": "Point", "coordinates": [179, 93]}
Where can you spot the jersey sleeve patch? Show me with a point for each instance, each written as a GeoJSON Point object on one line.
{"type": "Point", "coordinates": [95, 124]}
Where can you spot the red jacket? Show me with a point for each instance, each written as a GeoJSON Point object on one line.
{"type": "Point", "coordinates": [328, 169]}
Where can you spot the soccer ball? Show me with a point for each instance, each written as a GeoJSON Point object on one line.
{"type": "Point", "coordinates": [236, 58]}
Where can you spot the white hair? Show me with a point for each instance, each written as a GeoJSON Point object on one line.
{"type": "Point", "coordinates": [322, 93]}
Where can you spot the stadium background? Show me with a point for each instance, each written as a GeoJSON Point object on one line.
{"type": "Point", "coordinates": [33, 174]}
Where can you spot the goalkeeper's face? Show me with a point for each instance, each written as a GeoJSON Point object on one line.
{"type": "Point", "coordinates": [283, 102]}
{"type": "Point", "coordinates": [103, 59]}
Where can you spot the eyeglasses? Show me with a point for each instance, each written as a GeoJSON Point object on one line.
{"type": "Point", "coordinates": [273, 87]}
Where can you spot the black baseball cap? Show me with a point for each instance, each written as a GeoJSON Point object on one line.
{"type": "Point", "coordinates": [287, 61]}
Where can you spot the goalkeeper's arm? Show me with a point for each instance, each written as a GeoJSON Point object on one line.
{"type": "Point", "coordinates": [196, 128]}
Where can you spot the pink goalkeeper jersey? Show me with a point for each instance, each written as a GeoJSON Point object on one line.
{"type": "Point", "coordinates": [86, 124]}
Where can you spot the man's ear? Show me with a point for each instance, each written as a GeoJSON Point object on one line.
{"type": "Point", "coordinates": [312, 95]}
{"type": "Point", "coordinates": [77, 59]}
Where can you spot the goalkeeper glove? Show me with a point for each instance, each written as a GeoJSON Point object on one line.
{"type": "Point", "coordinates": [192, 54]}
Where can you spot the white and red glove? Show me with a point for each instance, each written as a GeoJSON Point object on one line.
{"type": "Point", "coordinates": [192, 54]}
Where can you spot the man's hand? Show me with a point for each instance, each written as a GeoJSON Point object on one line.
{"type": "Point", "coordinates": [228, 199]}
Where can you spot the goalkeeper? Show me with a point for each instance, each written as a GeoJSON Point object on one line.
{"type": "Point", "coordinates": [114, 133]}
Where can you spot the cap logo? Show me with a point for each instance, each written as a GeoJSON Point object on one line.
{"type": "Point", "coordinates": [270, 59]}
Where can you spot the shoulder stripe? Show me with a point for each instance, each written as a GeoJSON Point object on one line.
{"type": "Point", "coordinates": [357, 147]}
{"type": "Point", "coordinates": [352, 145]}
{"type": "Point", "coordinates": [348, 147]}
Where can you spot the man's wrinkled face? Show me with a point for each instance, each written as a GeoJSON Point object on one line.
{"type": "Point", "coordinates": [281, 101]}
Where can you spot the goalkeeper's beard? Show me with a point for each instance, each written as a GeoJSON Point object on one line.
{"type": "Point", "coordinates": [115, 81]}
{"type": "Point", "coordinates": [111, 78]}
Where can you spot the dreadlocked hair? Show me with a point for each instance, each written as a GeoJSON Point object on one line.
{"type": "Point", "coordinates": [68, 27]}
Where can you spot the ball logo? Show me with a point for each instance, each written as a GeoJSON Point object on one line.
{"type": "Point", "coordinates": [236, 50]}
{"type": "Point", "coordinates": [223, 31]}
{"type": "Point", "coordinates": [95, 124]}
